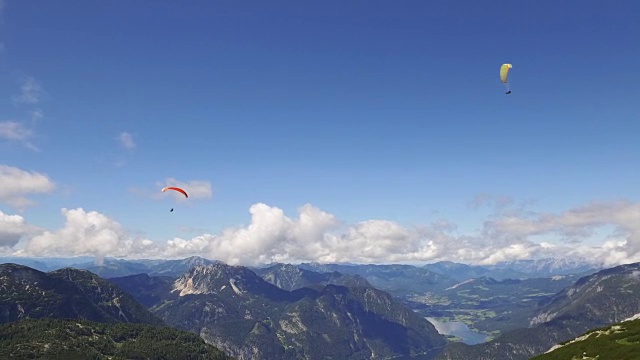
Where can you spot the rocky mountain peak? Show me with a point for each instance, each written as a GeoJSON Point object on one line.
{"type": "Point", "coordinates": [214, 278]}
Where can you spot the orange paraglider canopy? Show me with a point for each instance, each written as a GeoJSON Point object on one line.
{"type": "Point", "coordinates": [175, 189]}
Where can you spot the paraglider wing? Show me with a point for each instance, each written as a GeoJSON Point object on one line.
{"type": "Point", "coordinates": [504, 76]}
{"type": "Point", "coordinates": [504, 72]}
{"type": "Point", "coordinates": [176, 189]}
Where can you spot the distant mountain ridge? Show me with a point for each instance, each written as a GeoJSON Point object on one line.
{"type": "Point", "coordinates": [44, 263]}
{"type": "Point", "coordinates": [117, 267]}
{"type": "Point", "coordinates": [549, 266]}
{"type": "Point", "coordinates": [290, 277]}
{"type": "Point", "coordinates": [517, 269]}
{"type": "Point", "coordinates": [399, 280]}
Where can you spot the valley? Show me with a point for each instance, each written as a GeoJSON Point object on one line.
{"type": "Point", "coordinates": [361, 311]}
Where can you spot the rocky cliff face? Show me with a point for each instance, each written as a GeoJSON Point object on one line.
{"type": "Point", "coordinates": [237, 311]}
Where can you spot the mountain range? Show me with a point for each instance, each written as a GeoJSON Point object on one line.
{"type": "Point", "coordinates": [236, 310]}
{"type": "Point", "coordinates": [518, 269]}
{"type": "Point", "coordinates": [73, 314]}
{"type": "Point", "coordinates": [290, 277]}
{"type": "Point", "coordinates": [340, 311]}
{"type": "Point", "coordinates": [66, 293]}
{"type": "Point", "coordinates": [594, 301]}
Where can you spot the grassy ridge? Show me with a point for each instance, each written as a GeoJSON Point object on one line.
{"type": "Point", "coordinates": [616, 342]}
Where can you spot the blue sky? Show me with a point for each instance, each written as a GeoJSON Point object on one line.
{"type": "Point", "coordinates": [367, 110]}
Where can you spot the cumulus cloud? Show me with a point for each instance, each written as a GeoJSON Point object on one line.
{"type": "Point", "coordinates": [179, 248]}
{"type": "Point", "coordinates": [86, 233]}
{"type": "Point", "coordinates": [316, 235]}
{"type": "Point", "coordinates": [30, 91]}
{"type": "Point", "coordinates": [12, 229]}
{"type": "Point", "coordinates": [16, 184]}
{"type": "Point", "coordinates": [126, 140]}
{"type": "Point", "coordinates": [197, 189]}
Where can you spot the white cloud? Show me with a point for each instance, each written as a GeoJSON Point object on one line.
{"type": "Point", "coordinates": [580, 223]}
{"type": "Point", "coordinates": [86, 233]}
{"type": "Point", "coordinates": [15, 131]}
{"type": "Point", "coordinates": [574, 223]}
{"type": "Point", "coordinates": [318, 236]}
{"type": "Point", "coordinates": [197, 189]}
{"type": "Point", "coordinates": [126, 140]}
{"type": "Point", "coordinates": [272, 236]}
{"type": "Point", "coordinates": [30, 91]}
{"type": "Point", "coordinates": [18, 132]}
{"type": "Point", "coordinates": [12, 229]}
{"type": "Point", "coordinates": [179, 248]}
{"type": "Point", "coordinates": [315, 235]}
{"type": "Point", "coordinates": [16, 184]}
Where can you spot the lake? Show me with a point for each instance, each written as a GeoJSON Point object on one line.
{"type": "Point", "coordinates": [459, 329]}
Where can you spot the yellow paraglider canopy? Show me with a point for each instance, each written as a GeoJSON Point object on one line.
{"type": "Point", "coordinates": [504, 76]}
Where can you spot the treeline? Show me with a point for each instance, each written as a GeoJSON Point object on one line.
{"type": "Point", "coordinates": [80, 339]}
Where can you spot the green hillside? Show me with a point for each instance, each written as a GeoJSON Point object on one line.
{"type": "Point", "coordinates": [616, 342]}
{"type": "Point", "coordinates": [80, 339]}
